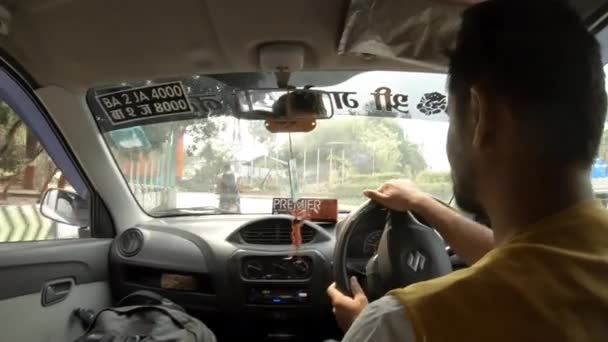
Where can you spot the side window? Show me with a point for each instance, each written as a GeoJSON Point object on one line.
{"type": "Point", "coordinates": [599, 171]}
{"type": "Point", "coordinates": [27, 173]}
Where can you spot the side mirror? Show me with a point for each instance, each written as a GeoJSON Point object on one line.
{"type": "Point", "coordinates": [65, 207]}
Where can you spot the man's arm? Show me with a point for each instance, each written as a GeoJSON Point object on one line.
{"type": "Point", "coordinates": [383, 320]}
{"type": "Point", "coordinates": [469, 239]}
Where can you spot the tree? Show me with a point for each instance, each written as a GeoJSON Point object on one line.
{"type": "Point", "coordinates": [262, 135]}
{"type": "Point", "coordinates": [212, 158]}
{"type": "Point", "coordinates": [11, 140]}
{"type": "Point", "coordinates": [19, 152]}
{"type": "Point", "coordinates": [200, 131]}
{"type": "Point", "coordinates": [222, 88]}
{"type": "Point", "coordinates": [410, 157]}
{"type": "Point", "coordinates": [370, 144]}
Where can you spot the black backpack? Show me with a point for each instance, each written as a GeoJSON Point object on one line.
{"type": "Point", "coordinates": [143, 316]}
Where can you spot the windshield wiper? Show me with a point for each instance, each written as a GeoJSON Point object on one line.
{"type": "Point", "coordinates": [204, 210]}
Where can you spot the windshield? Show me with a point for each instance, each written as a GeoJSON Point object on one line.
{"type": "Point", "coordinates": [385, 125]}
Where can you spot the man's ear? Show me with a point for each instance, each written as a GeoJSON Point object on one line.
{"type": "Point", "coordinates": [480, 108]}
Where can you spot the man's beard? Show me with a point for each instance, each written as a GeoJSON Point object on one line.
{"type": "Point", "coordinates": [466, 201]}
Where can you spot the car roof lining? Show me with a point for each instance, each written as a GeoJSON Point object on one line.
{"type": "Point", "coordinates": [85, 43]}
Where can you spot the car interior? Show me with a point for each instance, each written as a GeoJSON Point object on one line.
{"type": "Point", "coordinates": [203, 71]}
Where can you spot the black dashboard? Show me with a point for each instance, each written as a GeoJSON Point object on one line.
{"type": "Point", "coordinates": [240, 266]}
{"type": "Point", "coordinates": [240, 269]}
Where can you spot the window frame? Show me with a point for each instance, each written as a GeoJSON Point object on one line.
{"type": "Point", "coordinates": [17, 90]}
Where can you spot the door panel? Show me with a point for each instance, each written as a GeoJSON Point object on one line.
{"type": "Point", "coordinates": [75, 271]}
{"type": "Point", "coordinates": [24, 319]}
{"type": "Point", "coordinates": [42, 282]}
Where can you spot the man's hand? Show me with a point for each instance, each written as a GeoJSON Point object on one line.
{"type": "Point", "coordinates": [400, 195]}
{"type": "Point", "coordinates": [346, 309]}
{"type": "Point", "coordinates": [469, 239]}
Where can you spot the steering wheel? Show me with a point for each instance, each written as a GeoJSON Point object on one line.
{"type": "Point", "coordinates": [409, 251]}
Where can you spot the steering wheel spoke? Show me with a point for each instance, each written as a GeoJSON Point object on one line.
{"type": "Point", "coordinates": [356, 266]}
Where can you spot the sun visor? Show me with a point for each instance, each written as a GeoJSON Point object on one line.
{"type": "Point", "coordinates": [417, 32]}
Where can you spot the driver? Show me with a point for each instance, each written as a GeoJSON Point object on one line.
{"type": "Point", "coordinates": [527, 111]}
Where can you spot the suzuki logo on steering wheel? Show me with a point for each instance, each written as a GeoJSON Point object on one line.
{"type": "Point", "coordinates": [416, 261]}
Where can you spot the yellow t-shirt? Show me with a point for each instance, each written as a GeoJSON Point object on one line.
{"type": "Point", "coordinates": [548, 283]}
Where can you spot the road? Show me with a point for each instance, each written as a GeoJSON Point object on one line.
{"type": "Point", "coordinates": [250, 204]}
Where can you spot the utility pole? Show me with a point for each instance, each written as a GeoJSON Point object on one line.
{"type": "Point", "coordinates": [331, 162]}
{"type": "Point", "coordinates": [374, 162]}
{"type": "Point", "coordinates": [304, 168]}
{"type": "Point", "coordinates": [343, 162]}
{"type": "Point", "coordinates": [318, 163]}
{"type": "Point", "coordinates": [251, 169]}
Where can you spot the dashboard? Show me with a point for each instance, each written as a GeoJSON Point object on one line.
{"type": "Point", "coordinates": [236, 267]}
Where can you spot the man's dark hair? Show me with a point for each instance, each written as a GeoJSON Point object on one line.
{"type": "Point", "coordinates": [538, 58]}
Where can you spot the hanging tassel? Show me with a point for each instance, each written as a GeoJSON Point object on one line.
{"type": "Point", "coordinates": [299, 216]}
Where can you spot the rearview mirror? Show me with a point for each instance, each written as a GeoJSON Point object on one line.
{"type": "Point", "coordinates": [65, 207]}
{"type": "Point", "coordinates": [283, 104]}
{"type": "Point", "coordinates": [285, 110]}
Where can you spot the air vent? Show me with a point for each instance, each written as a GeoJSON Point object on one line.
{"type": "Point", "coordinates": [326, 225]}
{"type": "Point", "coordinates": [130, 242]}
{"type": "Point", "coordinates": [276, 232]}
